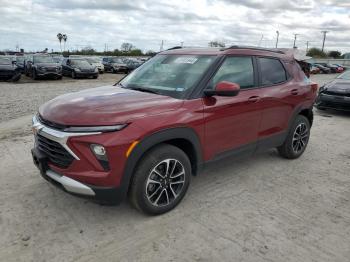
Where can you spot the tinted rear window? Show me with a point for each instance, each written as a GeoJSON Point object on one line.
{"type": "Point", "coordinates": [272, 71]}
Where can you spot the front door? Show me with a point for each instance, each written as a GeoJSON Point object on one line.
{"type": "Point", "coordinates": [232, 123]}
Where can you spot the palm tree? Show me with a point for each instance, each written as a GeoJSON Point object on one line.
{"type": "Point", "coordinates": [64, 37]}
{"type": "Point", "coordinates": [60, 36]}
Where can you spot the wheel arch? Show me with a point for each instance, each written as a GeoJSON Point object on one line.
{"type": "Point", "coordinates": [302, 110]}
{"type": "Point", "coordinates": [182, 137]}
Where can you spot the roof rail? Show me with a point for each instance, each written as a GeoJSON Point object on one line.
{"type": "Point", "coordinates": [175, 47]}
{"type": "Point", "coordinates": [253, 48]}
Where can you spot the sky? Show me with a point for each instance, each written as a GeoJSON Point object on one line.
{"type": "Point", "coordinates": [34, 24]}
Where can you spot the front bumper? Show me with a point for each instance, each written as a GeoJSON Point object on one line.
{"type": "Point", "coordinates": [108, 195]}
{"type": "Point", "coordinates": [86, 74]}
{"type": "Point", "coordinates": [84, 176]}
{"type": "Point", "coordinates": [333, 102]}
{"type": "Point", "coordinates": [49, 74]}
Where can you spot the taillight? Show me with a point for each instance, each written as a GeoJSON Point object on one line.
{"type": "Point", "coordinates": [314, 87]}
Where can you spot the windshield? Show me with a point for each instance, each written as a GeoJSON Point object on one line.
{"type": "Point", "coordinates": [43, 59]}
{"type": "Point", "coordinates": [117, 60]}
{"type": "Point", "coordinates": [345, 76]}
{"type": "Point", "coordinates": [5, 61]}
{"type": "Point", "coordinates": [80, 62]}
{"type": "Point", "coordinates": [19, 59]}
{"type": "Point", "coordinates": [169, 74]}
{"type": "Point", "coordinates": [93, 60]}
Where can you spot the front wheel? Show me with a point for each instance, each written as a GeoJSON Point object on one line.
{"type": "Point", "coordinates": [297, 139]}
{"type": "Point", "coordinates": [161, 180]}
{"type": "Point", "coordinates": [74, 75]}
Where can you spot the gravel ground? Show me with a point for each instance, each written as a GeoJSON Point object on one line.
{"type": "Point", "coordinates": [263, 208]}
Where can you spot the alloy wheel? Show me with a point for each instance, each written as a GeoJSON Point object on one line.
{"type": "Point", "coordinates": [300, 137]}
{"type": "Point", "coordinates": [165, 182]}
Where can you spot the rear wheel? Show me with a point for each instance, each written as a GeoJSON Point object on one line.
{"type": "Point", "coordinates": [297, 139]}
{"type": "Point", "coordinates": [161, 180]}
{"type": "Point", "coordinates": [74, 75]}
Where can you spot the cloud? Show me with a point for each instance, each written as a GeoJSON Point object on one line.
{"type": "Point", "coordinates": [34, 24]}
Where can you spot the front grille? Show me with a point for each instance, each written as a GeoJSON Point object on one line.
{"type": "Point", "coordinates": [332, 93]}
{"type": "Point", "coordinates": [6, 72]}
{"type": "Point", "coordinates": [51, 69]}
{"type": "Point", "coordinates": [87, 70]}
{"type": "Point", "coordinates": [55, 152]}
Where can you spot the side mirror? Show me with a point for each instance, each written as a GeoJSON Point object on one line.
{"type": "Point", "coordinates": [224, 88]}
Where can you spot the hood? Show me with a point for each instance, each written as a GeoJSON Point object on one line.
{"type": "Point", "coordinates": [339, 86]}
{"type": "Point", "coordinates": [118, 64]}
{"type": "Point", "coordinates": [84, 67]}
{"type": "Point", "coordinates": [7, 67]}
{"type": "Point", "coordinates": [47, 64]}
{"type": "Point", "coordinates": [107, 105]}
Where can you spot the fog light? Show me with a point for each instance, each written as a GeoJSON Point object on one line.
{"type": "Point", "coordinates": [101, 155]}
{"type": "Point", "coordinates": [98, 150]}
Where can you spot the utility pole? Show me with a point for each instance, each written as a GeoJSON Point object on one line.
{"type": "Point", "coordinates": [278, 34]}
{"type": "Point", "coordinates": [295, 39]}
{"type": "Point", "coordinates": [182, 44]}
{"type": "Point", "coordinates": [324, 38]}
{"type": "Point", "coordinates": [307, 46]}
{"type": "Point", "coordinates": [161, 45]}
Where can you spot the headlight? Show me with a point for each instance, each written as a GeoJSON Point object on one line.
{"type": "Point", "coordinates": [96, 69]}
{"type": "Point", "coordinates": [77, 70]}
{"type": "Point", "coordinates": [91, 129]}
{"type": "Point", "coordinates": [42, 68]}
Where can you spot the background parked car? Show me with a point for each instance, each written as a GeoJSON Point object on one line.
{"type": "Point", "coordinates": [115, 65]}
{"type": "Point", "coordinates": [333, 68]}
{"type": "Point", "coordinates": [335, 94]}
{"type": "Point", "coordinates": [314, 70]}
{"type": "Point", "coordinates": [42, 66]}
{"type": "Point", "coordinates": [8, 70]}
{"type": "Point", "coordinates": [78, 67]}
{"type": "Point", "coordinates": [20, 63]}
{"type": "Point", "coordinates": [344, 67]}
{"type": "Point", "coordinates": [323, 69]}
{"type": "Point", "coordinates": [132, 64]}
{"type": "Point", "coordinates": [96, 62]}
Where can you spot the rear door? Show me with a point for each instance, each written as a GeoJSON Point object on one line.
{"type": "Point", "coordinates": [231, 123]}
{"type": "Point", "coordinates": [279, 95]}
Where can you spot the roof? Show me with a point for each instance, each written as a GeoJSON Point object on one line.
{"type": "Point", "coordinates": [236, 50]}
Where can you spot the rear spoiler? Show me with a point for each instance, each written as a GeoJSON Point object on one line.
{"type": "Point", "coordinates": [298, 55]}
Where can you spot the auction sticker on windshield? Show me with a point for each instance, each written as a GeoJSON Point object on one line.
{"type": "Point", "coordinates": [186, 60]}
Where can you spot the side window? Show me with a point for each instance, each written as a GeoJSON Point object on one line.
{"type": "Point", "coordinates": [236, 70]}
{"type": "Point", "coordinates": [272, 71]}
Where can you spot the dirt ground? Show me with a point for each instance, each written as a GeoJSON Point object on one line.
{"type": "Point", "coordinates": [262, 208]}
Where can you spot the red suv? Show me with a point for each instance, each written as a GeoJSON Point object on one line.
{"type": "Point", "coordinates": [147, 135]}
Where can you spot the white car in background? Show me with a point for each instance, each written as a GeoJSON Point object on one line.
{"type": "Point", "coordinates": [95, 61]}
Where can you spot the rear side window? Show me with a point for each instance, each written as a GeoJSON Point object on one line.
{"type": "Point", "coordinates": [272, 71]}
{"type": "Point", "coordinates": [237, 70]}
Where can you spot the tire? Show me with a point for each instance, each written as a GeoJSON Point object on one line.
{"type": "Point", "coordinates": [34, 76]}
{"type": "Point", "coordinates": [59, 78]}
{"type": "Point", "coordinates": [16, 78]}
{"type": "Point", "coordinates": [95, 77]}
{"type": "Point", "coordinates": [74, 75]}
{"type": "Point", "coordinates": [155, 191]}
{"type": "Point", "coordinates": [297, 139]}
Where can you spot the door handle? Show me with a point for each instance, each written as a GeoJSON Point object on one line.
{"type": "Point", "coordinates": [254, 99]}
{"type": "Point", "coordinates": [294, 92]}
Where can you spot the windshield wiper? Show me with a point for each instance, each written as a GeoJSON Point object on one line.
{"type": "Point", "coordinates": [141, 89]}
